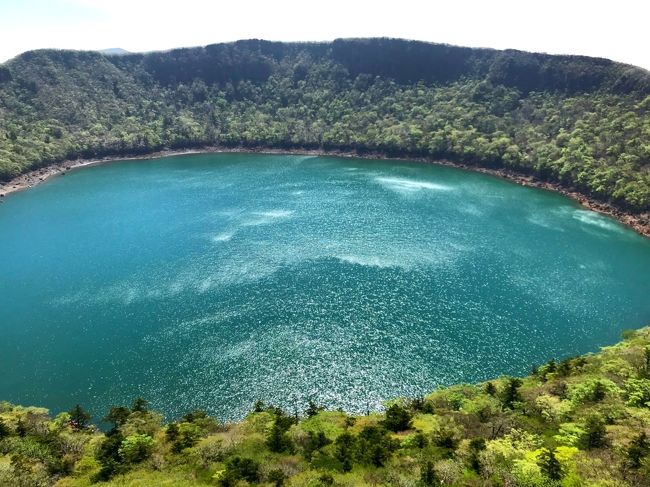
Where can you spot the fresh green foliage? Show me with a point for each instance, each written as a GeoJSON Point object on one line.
{"type": "Point", "coordinates": [524, 431]}
{"type": "Point", "coordinates": [581, 122]}
{"type": "Point", "coordinates": [136, 448]}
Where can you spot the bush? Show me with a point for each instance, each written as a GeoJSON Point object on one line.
{"type": "Point", "coordinates": [398, 418]}
{"type": "Point", "coordinates": [638, 392]}
{"type": "Point", "coordinates": [136, 448]}
{"type": "Point", "coordinates": [239, 469]}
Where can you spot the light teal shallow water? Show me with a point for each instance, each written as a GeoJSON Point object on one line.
{"type": "Point", "coordinates": [214, 280]}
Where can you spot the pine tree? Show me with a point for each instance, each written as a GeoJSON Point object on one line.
{"type": "Point", "coordinates": [313, 409]}
{"type": "Point", "coordinates": [511, 393]}
{"type": "Point", "coordinates": [638, 449]}
{"type": "Point", "coordinates": [550, 465]}
{"type": "Point", "coordinates": [79, 417]}
{"type": "Point", "coordinates": [397, 418]}
{"type": "Point", "coordinates": [599, 392]}
{"type": "Point", "coordinates": [490, 389]}
{"type": "Point", "coordinates": [277, 441]}
{"type": "Point", "coordinates": [595, 432]}
{"type": "Point", "coordinates": [140, 405]}
{"type": "Point", "coordinates": [4, 430]}
{"type": "Point", "coordinates": [344, 450]}
{"type": "Point", "coordinates": [428, 475]}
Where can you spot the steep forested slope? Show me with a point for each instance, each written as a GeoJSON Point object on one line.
{"type": "Point", "coordinates": [582, 122]}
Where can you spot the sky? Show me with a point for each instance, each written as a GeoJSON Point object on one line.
{"type": "Point", "coordinates": [613, 29]}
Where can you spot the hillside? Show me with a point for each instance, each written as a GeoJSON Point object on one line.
{"type": "Point", "coordinates": [583, 123]}
{"type": "Point", "coordinates": [579, 421]}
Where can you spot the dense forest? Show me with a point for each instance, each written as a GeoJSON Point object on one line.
{"type": "Point", "coordinates": [581, 421]}
{"type": "Point", "coordinates": [581, 122]}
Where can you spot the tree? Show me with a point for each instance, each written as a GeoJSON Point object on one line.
{"type": "Point", "coordinates": [188, 436]}
{"type": "Point", "coordinates": [551, 366]}
{"type": "Point", "coordinates": [277, 440]}
{"type": "Point", "coordinates": [108, 455]}
{"type": "Point", "coordinates": [118, 416]}
{"type": "Point", "coordinates": [194, 416]}
{"type": "Point", "coordinates": [510, 394]}
{"type": "Point", "coordinates": [345, 450]}
{"type": "Point", "coordinates": [490, 389]}
{"type": "Point", "coordinates": [397, 418]}
{"type": "Point", "coordinates": [599, 392]}
{"type": "Point", "coordinates": [565, 367]}
{"type": "Point", "coordinates": [4, 430]}
{"type": "Point", "coordinates": [140, 405]}
{"type": "Point", "coordinates": [172, 432]}
{"type": "Point", "coordinates": [639, 448]}
{"type": "Point", "coordinates": [313, 409]}
{"type": "Point", "coordinates": [476, 446]}
{"type": "Point", "coordinates": [241, 468]}
{"type": "Point", "coordinates": [595, 432]}
{"type": "Point", "coordinates": [549, 465]}
{"type": "Point", "coordinates": [373, 446]}
{"type": "Point", "coordinates": [136, 448]}
{"type": "Point", "coordinates": [79, 417]}
{"type": "Point", "coordinates": [314, 442]}
{"type": "Point", "coordinates": [326, 479]}
{"type": "Point", "coordinates": [428, 475]}
{"type": "Point", "coordinates": [277, 477]}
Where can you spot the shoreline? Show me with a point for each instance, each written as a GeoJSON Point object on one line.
{"type": "Point", "coordinates": [637, 222]}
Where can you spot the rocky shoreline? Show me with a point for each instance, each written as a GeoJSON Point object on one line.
{"type": "Point", "coordinates": [638, 222]}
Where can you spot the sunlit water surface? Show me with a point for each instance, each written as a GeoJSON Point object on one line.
{"type": "Point", "coordinates": [210, 281]}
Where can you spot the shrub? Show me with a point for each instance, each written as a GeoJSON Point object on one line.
{"type": "Point", "coordinates": [638, 392]}
{"type": "Point", "coordinates": [136, 448]}
{"type": "Point", "coordinates": [398, 418]}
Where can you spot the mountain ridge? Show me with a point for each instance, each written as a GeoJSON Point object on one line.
{"type": "Point", "coordinates": [572, 120]}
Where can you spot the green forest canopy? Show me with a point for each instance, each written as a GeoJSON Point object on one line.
{"type": "Point", "coordinates": [578, 121]}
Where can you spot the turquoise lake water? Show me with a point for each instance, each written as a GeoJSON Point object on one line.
{"type": "Point", "coordinates": [210, 281]}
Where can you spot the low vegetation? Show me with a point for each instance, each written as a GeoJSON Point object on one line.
{"type": "Point", "coordinates": [574, 422]}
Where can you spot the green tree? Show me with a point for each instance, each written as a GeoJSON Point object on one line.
{"type": "Point", "coordinates": [344, 451]}
{"type": "Point", "coordinates": [476, 446]}
{"type": "Point", "coordinates": [397, 418]}
{"type": "Point", "coordinates": [140, 405]}
{"type": "Point", "coordinates": [595, 432]}
{"type": "Point", "coordinates": [108, 455]}
{"type": "Point", "coordinates": [172, 432]}
{"type": "Point", "coordinates": [373, 446]}
{"type": "Point", "coordinates": [238, 468]}
{"type": "Point", "coordinates": [490, 389]}
{"type": "Point", "coordinates": [277, 477]}
{"type": "Point", "coordinates": [326, 479]}
{"type": "Point", "coordinates": [313, 409]}
{"type": "Point", "coordinates": [510, 394]}
{"type": "Point", "coordinates": [187, 436]}
{"type": "Point", "coordinates": [277, 440]}
{"type": "Point", "coordinates": [79, 417]}
{"type": "Point", "coordinates": [136, 448]}
{"type": "Point", "coordinates": [599, 392]}
{"type": "Point", "coordinates": [314, 442]}
{"type": "Point", "coordinates": [428, 475]}
{"type": "Point", "coordinates": [638, 449]}
{"type": "Point", "coordinates": [117, 415]}
{"type": "Point", "coordinates": [550, 465]}
{"type": "Point", "coordinates": [4, 430]}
